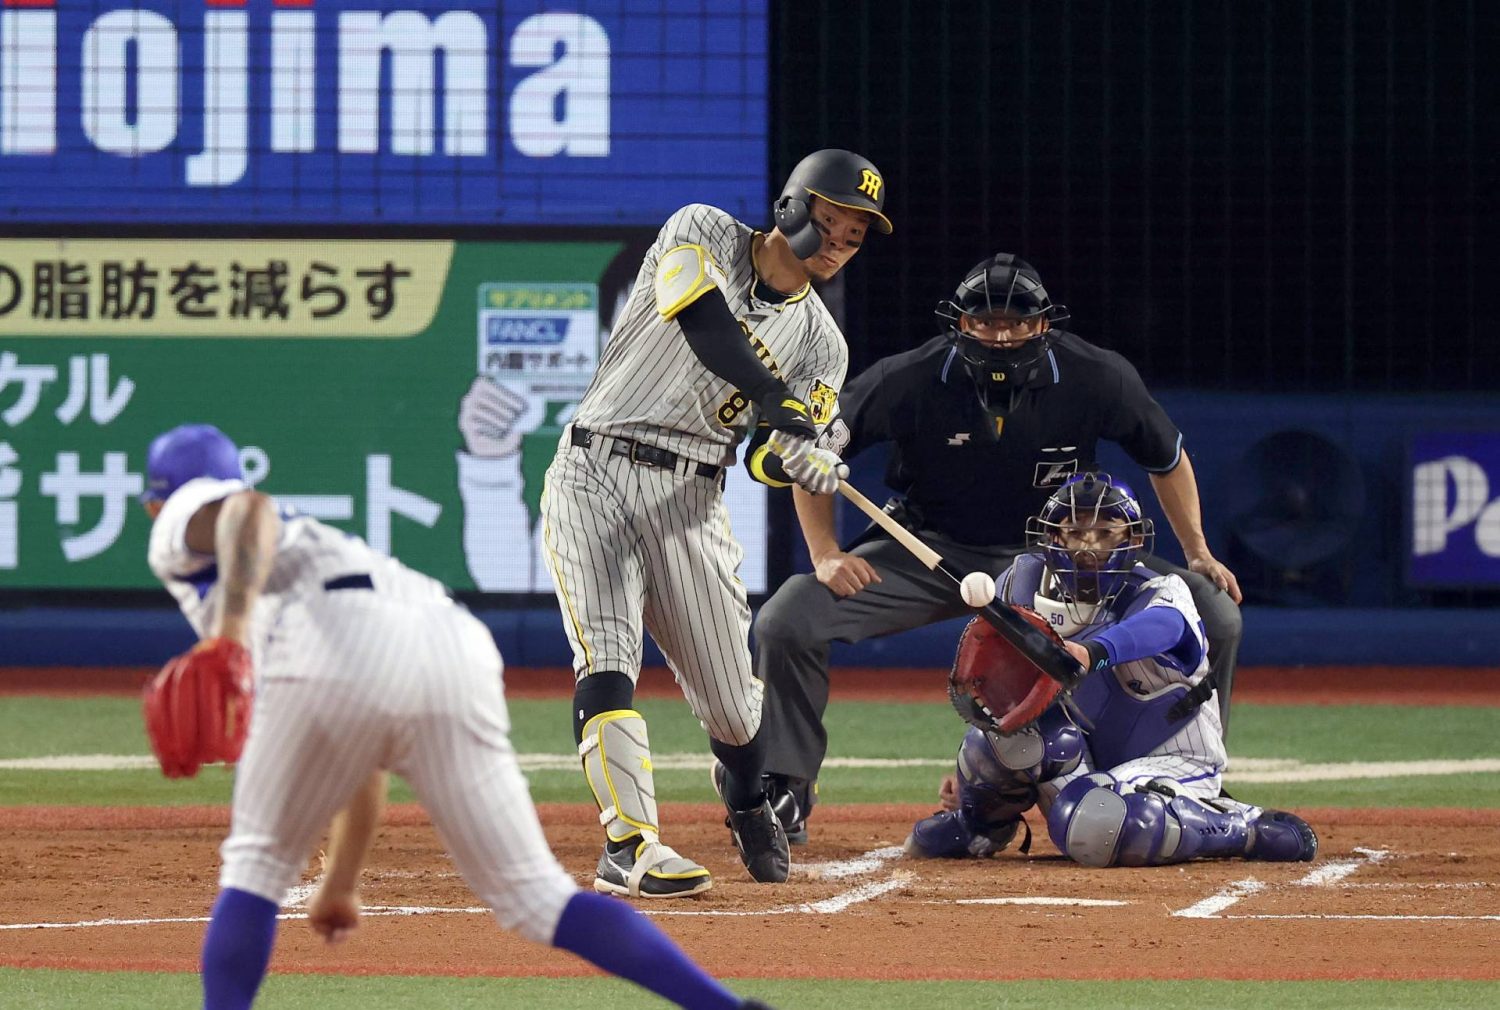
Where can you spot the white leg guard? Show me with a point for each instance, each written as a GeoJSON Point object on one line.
{"type": "Point", "coordinates": [616, 754]}
{"type": "Point", "coordinates": [616, 757]}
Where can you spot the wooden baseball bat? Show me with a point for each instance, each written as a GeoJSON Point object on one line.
{"type": "Point", "coordinates": [1042, 651]}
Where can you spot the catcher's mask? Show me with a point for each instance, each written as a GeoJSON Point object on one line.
{"type": "Point", "coordinates": [1003, 289]}
{"type": "Point", "coordinates": [188, 451]}
{"type": "Point", "coordinates": [1090, 534]}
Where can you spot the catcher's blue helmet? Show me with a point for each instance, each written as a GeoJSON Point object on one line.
{"type": "Point", "coordinates": [1090, 534]}
{"type": "Point", "coordinates": [185, 452]}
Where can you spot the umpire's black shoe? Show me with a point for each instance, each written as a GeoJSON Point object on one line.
{"type": "Point", "coordinates": [761, 839]}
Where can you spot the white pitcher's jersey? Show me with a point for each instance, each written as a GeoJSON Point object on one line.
{"type": "Point", "coordinates": [652, 388]}
{"type": "Point", "coordinates": [308, 556]}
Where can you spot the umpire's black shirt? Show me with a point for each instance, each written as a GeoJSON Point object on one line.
{"type": "Point", "coordinates": [976, 489]}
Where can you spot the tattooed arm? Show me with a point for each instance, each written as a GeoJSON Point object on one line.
{"type": "Point", "coordinates": [241, 531]}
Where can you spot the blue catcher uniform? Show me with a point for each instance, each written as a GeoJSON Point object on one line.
{"type": "Point", "coordinates": [1120, 781]}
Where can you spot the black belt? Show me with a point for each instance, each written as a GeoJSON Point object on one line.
{"type": "Point", "coordinates": [645, 455]}
{"type": "Point", "coordinates": [360, 581]}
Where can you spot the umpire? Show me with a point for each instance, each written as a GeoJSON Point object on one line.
{"type": "Point", "coordinates": [986, 420]}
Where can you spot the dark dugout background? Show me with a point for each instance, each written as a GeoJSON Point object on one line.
{"type": "Point", "coordinates": [1284, 196]}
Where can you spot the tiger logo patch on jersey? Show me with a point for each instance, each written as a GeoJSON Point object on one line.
{"type": "Point", "coordinates": [822, 398]}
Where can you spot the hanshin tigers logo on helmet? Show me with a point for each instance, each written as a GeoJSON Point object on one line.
{"type": "Point", "coordinates": [822, 399]}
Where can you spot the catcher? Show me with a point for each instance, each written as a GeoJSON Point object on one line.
{"type": "Point", "coordinates": [1120, 782]}
{"type": "Point", "coordinates": [361, 665]}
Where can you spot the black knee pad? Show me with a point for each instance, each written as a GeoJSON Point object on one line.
{"type": "Point", "coordinates": [605, 691]}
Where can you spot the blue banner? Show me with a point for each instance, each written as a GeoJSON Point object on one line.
{"type": "Point", "coordinates": [408, 112]}
{"type": "Point", "coordinates": [1455, 510]}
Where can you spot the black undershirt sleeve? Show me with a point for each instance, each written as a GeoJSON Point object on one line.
{"type": "Point", "coordinates": [719, 342]}
{"type": "Point", "coordinates": [716, 338]}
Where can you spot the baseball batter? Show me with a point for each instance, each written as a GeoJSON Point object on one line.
{"type": "Point", "coordinates": [722, 334]}
{"type": "Point", "coordinates": [361, 665]}
{"type": "Point", "coordinates": [1120, 780]}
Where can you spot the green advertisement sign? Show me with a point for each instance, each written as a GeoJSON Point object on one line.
{"type": "Point", "coordinates": [409, 392]}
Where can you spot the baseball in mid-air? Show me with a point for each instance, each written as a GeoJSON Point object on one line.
{"type": "Point", "coordinates": [977, 589]}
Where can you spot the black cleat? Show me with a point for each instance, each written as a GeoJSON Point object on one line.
{"type": "Point", "coordinates": [761, 841]}
{"type": "Point", "coordinates": [783, 802]}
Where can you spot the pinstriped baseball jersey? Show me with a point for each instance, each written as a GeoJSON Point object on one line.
{"type": "Point", "coordinates": [307, 555]}
{"type": "Point", "coordinates": [636, 548]}
{"type": "Point", "coordinates": [361, 664]}
{"type": "Point", "coordinates": [651, 387]}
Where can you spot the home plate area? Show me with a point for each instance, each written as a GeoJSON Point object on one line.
{"type": "Point", "coordinates": [1414, 899]}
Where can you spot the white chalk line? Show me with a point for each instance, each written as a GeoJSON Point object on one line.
{"type": "Point", "coordinates": [1332, 873]}
{"type": "Point", "coordinates": [1210, 907]}
{"type": "Point", "coordinates": [1241, 770]}
{"type": "Point", "coordinates": [1325, 875]}
{"type": "Point", "coordinates": [298, 895]}
{"type": "Point", "coordinates": [1036, 900]}
{"type": "Point", "coordinates": [868, 863]}
{"type": "Point", "coordinates": [1368, 918]}
{"type": "Point", "coordinates": [373, 911]}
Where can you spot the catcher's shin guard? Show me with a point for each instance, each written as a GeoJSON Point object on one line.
{"type": "Point", "coordinates": [998, 774]}
{"type": "Point", "coordinates": [997, 783]}
{"type": "Point", "coordinates": [1100, 822]}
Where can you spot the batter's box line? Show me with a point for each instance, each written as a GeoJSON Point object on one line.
{"type": "Point", "coordinates": [374, 911]}
{"type": "Point", "coordinates": [1366, 917]}
{"type": "Point", "coordinates": [867, 863]}
{"type": "Point", "coordinates": [827, 906]}
{"type": "Point", "coordinates": [1324, 875]}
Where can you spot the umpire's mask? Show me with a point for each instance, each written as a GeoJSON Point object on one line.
{"type": "Point", "coordinates": [1001, 297]}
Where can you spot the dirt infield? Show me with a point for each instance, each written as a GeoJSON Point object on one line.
{"type": "Point", "coordinates": [1394, 895]}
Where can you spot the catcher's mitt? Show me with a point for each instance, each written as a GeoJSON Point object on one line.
{"type": "Point", "coordinates": [198, 707]}
{"type": "Point", "coordinates": [992, 685]}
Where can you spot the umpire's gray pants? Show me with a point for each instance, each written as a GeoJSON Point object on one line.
{"type": "Point", "coordinates": [797, 625]}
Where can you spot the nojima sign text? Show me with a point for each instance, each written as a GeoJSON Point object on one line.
{"type": "Point", "coordinates": [409, 111]}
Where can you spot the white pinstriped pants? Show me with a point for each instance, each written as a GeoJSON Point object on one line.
{"type": "Point", "coordinates": [353, 681]}
{"type": "Point", "coordinates": [1196, 765]}
{"type": "Point", "coordinates": [634, 546]}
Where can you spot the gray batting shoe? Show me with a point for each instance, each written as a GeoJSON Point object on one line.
{"type": "Point", "coordinates": [641, 869]}
{"type": "Point", "coordinates": [762, 843]}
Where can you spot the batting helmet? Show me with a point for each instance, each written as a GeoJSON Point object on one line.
{"type": "Point", "coordinates": [185, 452]}
{"type": "Point", "coordinates": [838, 176]}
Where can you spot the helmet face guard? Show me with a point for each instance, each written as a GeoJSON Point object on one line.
{"type": "Point", "coordinates": [1090, 534]}
{"type": "Point", "coordinates": [1006, 288]}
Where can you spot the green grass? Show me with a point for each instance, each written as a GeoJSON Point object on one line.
{"type": "Point", "coordinates": [52, 726]}
{"type": "Point", "coordinates": [73, 990]}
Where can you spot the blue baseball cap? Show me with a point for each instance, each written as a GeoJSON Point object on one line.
{"type": "Point", "coordinates": [185, 452]}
